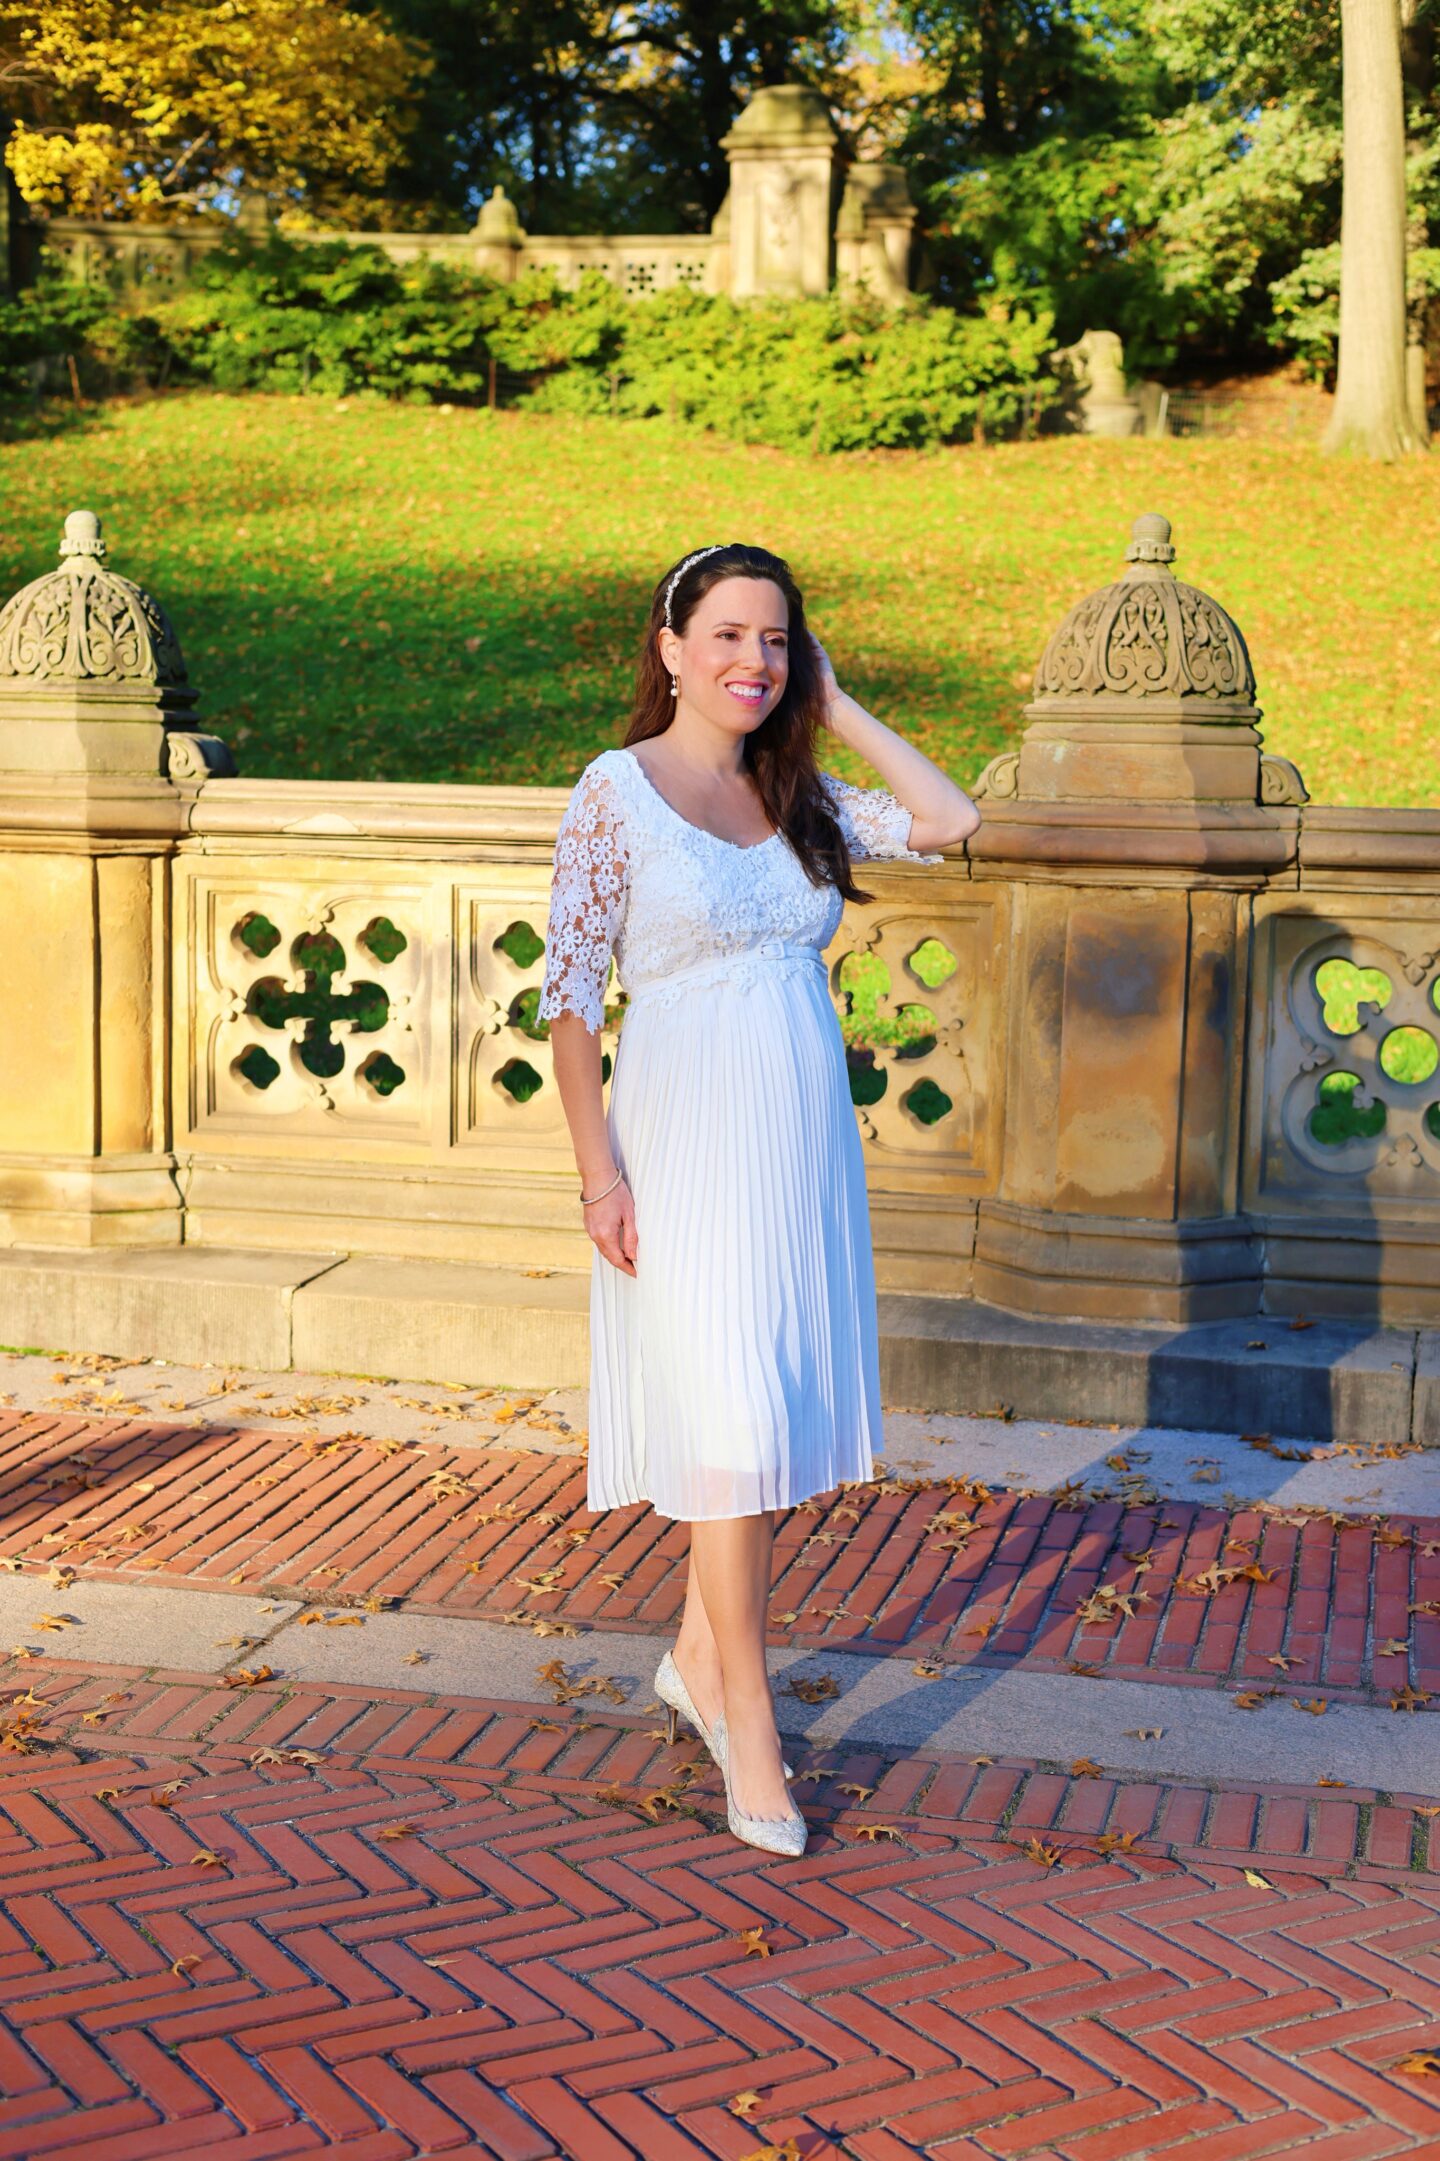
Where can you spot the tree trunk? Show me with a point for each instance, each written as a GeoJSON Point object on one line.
{"type": "Point", "coordinates": [1372, 411]}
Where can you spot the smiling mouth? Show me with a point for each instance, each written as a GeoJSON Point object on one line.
{"type": "Point", "coordinates": [748, 693]}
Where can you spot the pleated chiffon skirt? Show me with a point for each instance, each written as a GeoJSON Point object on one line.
{"type": "Point", "coordinates": [738, 1369]}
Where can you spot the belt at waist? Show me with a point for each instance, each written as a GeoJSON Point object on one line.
{"type": "Point", "coordinates": [728, 963]}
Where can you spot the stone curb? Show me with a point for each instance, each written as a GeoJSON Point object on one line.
{"type": "Point", "coordinates": [448, 1321]}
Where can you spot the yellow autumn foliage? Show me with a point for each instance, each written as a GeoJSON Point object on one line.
{"type": "Point", "coordinates": [125, 111]}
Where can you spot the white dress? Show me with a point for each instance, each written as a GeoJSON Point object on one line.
{"type": "Point", "coordinates": [738, 1369]}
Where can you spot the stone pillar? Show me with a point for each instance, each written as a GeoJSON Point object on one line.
{"type": "Point", "coordinates": [1136, 822]}
{"type": "Point", "coordinates": [99, 765]}
{"type": "Point", "coordinates": [498, 237]}
{"type": "Point", "coordinates": [782, 153]}
{"type": "Point", "coordinates": [874, 230]}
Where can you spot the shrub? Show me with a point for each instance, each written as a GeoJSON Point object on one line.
{"type": "Point", "coordinates": [53, 317]}
{"type": "Point", "coordinates": [835, 373]}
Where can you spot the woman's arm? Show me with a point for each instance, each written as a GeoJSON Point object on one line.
{"type": "Point", "coordinates": [942, 813]}
{"type": "Point", "coordinates": [588, 895]}
{"type": "Point", "coordinates": [576, 1055]}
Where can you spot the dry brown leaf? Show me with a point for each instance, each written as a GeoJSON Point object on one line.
{"type": "Point", "coordinates": [1420, 2063]}
{"type": "Point", "coordinates": [392, 1831]}
{"type": "Point", "coordinates": [872, 1831]}
{"type": "Point", "coordinates": [754, 1941]}
{"type": "Point", "coordinates": [1317, 1706]}
{"type": "Point", "coordinates": [415, 1658]}
{"type": "Point", "coordinates": [181, 1966]}
{"type": "Point", "coordinates": [860, 1793]}
{"type": "Point", "coordinates": [1253, 1876]}
{"type": "Point", "coordinates": [247, 1677]}
{"type": "Point", "coordinates": [1324, 1781]}
{"type": "Point", "coordinates": [928, 1669]}
{"type": "Point", "coordinates": [206, 1857]}
{"type": "Point", "coordinates": [1408, 1698]}
{"type": "Point", "coordinates": [1082, 1767]}
{"type": "Point", "coordinates": [817, 1690]}
{"type": "Point", "coordinates": [1117, 1841]}
{"type": "Point", "coordinates": [1144, 1733]}
{"type": "Point", "coordinates": [1036, 1849]}
{"type": "Point", "coordinates": [744, 2105]}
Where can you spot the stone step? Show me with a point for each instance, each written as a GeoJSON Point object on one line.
{"type": "Point", "coordinates": [407, 1319]}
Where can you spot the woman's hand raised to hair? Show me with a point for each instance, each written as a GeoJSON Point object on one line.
{"type": "Point", "coordinates": [829, 686]}
{"type": "Point", "coordinates": [611, 1224]}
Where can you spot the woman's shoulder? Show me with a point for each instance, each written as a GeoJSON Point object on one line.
{"type": "Point", "coordinates": [610, 766]}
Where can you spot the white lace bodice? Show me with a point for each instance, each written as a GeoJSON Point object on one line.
{"type": "Point", "coordinates": [636, 880]}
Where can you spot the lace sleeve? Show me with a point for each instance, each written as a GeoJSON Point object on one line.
{"type": "Point", "coordinates": [587, 902]}
{"type": "Point", "coordinates": [875, 823]}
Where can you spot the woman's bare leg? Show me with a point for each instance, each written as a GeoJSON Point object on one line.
{"type": "Point", "coordinates": [696, 1652]}
{"type": "Point", "coordinates": [730, 1559]}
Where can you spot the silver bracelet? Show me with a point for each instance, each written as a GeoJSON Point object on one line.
{"type": "Point", "coordinates": [600, 1196]}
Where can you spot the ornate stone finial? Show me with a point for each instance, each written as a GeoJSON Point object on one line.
{"type": "Point", "coordinates": [92, 678]}
{"type": "Point", "coordinates": [83, 536]}
{"type": "Point", "coordinates": [1150, 540]}
{"type": "Point", "coordinates": [498, 223]}
{"type": "Point", "coordinates": [1144, 692]}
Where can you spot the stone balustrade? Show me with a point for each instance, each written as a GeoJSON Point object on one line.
{"type": "Point", "coordinates": [1159, 1043]}
{"type": "Point", "coordinates": [796, 221]}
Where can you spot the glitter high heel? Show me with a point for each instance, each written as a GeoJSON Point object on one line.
{"type": "Point", "coordinates": [675, 1696]}
{"type": "Point", "coordinates": [773, 1834]}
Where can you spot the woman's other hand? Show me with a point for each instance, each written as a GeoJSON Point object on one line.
{"type": "Point", "coordinates": [829, 686]}
{"type": "Point", "coordinates": [611, 1224]}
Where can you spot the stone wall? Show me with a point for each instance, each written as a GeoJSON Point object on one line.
{"type": "Point", "coordinates": [1159, 1043]}
{"type": "Point", "coordinates": [795, 221]}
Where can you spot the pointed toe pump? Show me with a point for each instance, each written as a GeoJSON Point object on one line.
{"type": "Point", "coordinates": [675, 1696]}
{"type": "Point", "coordinates": [772, 1834]}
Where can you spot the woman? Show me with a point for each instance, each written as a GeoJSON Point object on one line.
{"type": "Point", "coordinates": [734, 1344]}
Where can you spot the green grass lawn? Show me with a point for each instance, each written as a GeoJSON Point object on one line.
{"type": "Point", "coordinates": [374, 592]}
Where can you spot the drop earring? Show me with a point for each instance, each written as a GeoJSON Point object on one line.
{"type": "Point", "coordinates": [674, 686]}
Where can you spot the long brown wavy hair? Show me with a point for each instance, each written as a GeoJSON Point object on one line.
{"type": "Point", "coordinates": [780, 753]}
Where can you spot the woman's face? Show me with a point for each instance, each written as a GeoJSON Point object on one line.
{"type": "Point", "coordinates": [733, 660]}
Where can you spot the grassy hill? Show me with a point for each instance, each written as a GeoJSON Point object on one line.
{"type": "Point", "coordinates": [386, 592]}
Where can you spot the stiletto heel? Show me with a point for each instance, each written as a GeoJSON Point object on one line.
{"type": "Point", "coordinates": [675, 1696]}
{"type": "Point", "coordinates": [773, 1834]}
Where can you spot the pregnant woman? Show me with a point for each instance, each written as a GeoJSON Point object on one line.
{"type": "Point", "coordinates": [734, 1365]}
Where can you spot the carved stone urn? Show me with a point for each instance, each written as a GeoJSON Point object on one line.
{"type": "Point", "coordinates": [92, 679]}
{"type": "Point", "coordinates": [1145, 692]}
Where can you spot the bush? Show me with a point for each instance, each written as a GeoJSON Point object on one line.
{"type": "Point", "coordinates": [837, 373]}
{"type": "Point", "coordinates": [54, 317]}
{"type": "Point", "coordinates": [330, 318]}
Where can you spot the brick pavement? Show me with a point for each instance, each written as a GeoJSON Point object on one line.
{"type": "Point", "coordinates": [282, 1918]}
{"type": "Point", "coordinates": [1147, 1587]}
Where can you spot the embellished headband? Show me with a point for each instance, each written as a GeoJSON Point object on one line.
{"type": "Point", "coordinates": [697, 557]}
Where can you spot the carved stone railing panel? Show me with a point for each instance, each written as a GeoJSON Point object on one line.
{"type": "Point", "coordinates": [919, 999]}
{"type": "Point", "coordinates": [1345, 1071]}
{"type": "Point", "coordinates": [307, 1004]}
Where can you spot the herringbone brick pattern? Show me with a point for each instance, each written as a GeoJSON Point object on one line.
{"type": "Point", "coordinates": [1137, 1586]}
{"type": "Point", "coordinates": [280, 1921]}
